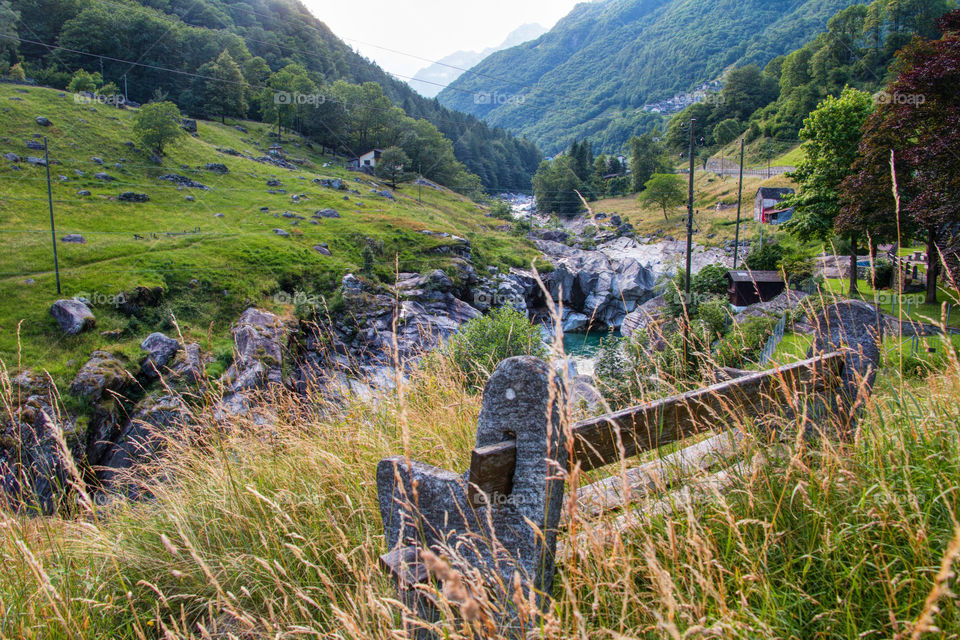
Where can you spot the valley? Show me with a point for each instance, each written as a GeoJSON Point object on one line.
{"type": "Point", "coordinates": [289, 349]}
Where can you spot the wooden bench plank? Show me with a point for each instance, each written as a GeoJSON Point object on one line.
{"type": "Point", "coordinates": [608, 494]}
{"type": "Point", "coordinates": [624, 434]}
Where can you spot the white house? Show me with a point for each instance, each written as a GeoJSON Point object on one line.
{"type": "Point", "coordinates": [366, 161]}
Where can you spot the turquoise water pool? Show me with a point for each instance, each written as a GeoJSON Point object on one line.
{"type": "Point", "coordinates": [585, 345]}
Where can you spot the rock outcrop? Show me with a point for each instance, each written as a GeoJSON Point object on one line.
{"type": "Point", "coordinates": [642, 316]}
{"type": "Point", "coordinates": [141, 439]}
{"type": "Point", "coordinates": [258, 356]}
{"type": "Point", "coordinates": [592, 284]}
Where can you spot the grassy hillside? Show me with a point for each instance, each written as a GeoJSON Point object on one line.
{"type": "Point", "coordinates": [148, 47]}
{"type": "Point", "coordinates": [711, 227]}
{"type": "Point", "coordinates": [210, 267]}
{"type": "Point", "coordinates": [590, 75]}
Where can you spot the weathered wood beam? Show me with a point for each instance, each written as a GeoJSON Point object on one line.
{"type": "Point", "coordinates": [634, 484]}
{"type": "Point", "coordinates": [624, 434]}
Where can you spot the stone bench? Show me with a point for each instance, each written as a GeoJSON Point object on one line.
{"type": "Point", "coordinates": [497, 524]}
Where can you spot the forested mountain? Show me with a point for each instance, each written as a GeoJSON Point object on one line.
{"type": "Point", "coordinates": [857, 49]}
{"type": "Point", "coordinates": [590, 76]}
{"type": "Point", "coordinates": [157, 47]}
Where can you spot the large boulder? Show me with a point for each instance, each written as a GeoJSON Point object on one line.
{"type": "Point", "coordinates": [257, 339]}
{"type": "Point", "coordinates": [160, 350]}
{"type": "Point", "coordinates": [103, 372]}
{"type": "Point", "coordinates": [35, 457]}
{"type": "Point", "coordinates": [73, 316]}
{"type": "Point", "coordinates": [154, 421]}
{"type": "Point", "coordinates": [642, 316]}
{"type": "Point", "coordinates": [591, 283]}
{"type": "Point", "coordinates": [856, 328]}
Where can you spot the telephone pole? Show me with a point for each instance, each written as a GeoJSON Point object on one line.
{"type": "Point", "coordinates": [686, 306]}
{"type": "Point", "coordinates": [53, 231]}
{"type": "Point", "coordinates": [736, 241]}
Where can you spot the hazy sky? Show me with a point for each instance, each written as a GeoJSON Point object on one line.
{"type": "Point", "coordinates": [430, 29]}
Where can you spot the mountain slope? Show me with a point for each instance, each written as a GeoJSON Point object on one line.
{"type": "Point", "coordinates": [214, 252]}
{"type": "Point", "coordinates": [593, 72]}
{"type": "Point", "coordinates": [430, 80]}
{"type": "Point", "coordinates": [182, 35]}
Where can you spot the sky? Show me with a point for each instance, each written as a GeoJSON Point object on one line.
{"type": "Point", "coordinates": [430, 29]}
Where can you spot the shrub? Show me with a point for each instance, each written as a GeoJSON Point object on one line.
{"type": "Point", "coordinates": [882, 274]}
{"type": "Point", "coordinates": [501, 210]}
{"type": "Point", "coordinates": [766, 258]}
{"type": "Point", "coordinates": [16, 73]}
{"type": "Point", "coordinates": [711, 279]}
{"type": "Point", "coordinates": [484, 342]}
{"type": "Point", "coordinates": [84, 81]}
{"type": "Point", "coordinates": [713, 316]}
{"type": "Point", "coordinates": [744, 343]}
{"type": "Point", "coordinates": [800, 271]}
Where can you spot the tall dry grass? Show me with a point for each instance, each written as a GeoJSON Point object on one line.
{"type": "Point", "coordinates": [270, 529]}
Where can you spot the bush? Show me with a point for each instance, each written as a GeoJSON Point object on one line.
{"type": "Point", "coordinates": [484, 342]}
{"type": "Point", "coordinates": [16, 73]}
{"type": "Point", "coordinates": [883, 274]}
{"type": "Point", "coordinates": [800, 271]}
{"type": "Point", "coordinates": [708, 282]}
{"type": "Point", "coordinates": [84, 81]}
{"type": "Point", "coordinates": [501, 210]}
{"type": "Point", "coordinates": [713, 316]}
{"type": "Point", "coordinates": [766, 258]}
{"type": "Point", "coordinates": [742, 345]}
{"type": "Point", "coordinates": [712, 279]}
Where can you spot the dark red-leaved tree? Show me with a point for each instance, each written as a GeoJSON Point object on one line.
{"type": "Point", "coordinates": [918, 119]}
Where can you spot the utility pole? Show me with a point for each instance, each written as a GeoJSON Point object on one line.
{"type": "Point", "coordinates": [736, 240]}
{"type": "Point", "coordinates": [53, 231]}
{"type": "Point", "coordinates": [420, 184]}
{"type": "Point", "coordinates": [124, 87]}
{"type": "Point", "coordinates": [686, 319]}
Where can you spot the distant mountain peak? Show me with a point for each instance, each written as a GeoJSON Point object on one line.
{"type": "Point", "coordinates": [430, 80]}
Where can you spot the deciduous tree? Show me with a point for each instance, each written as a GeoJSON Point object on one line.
{"type": "Point", "coordinates": [664, 190]}
{"type": "Point", "coordinates": [831, 136]}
